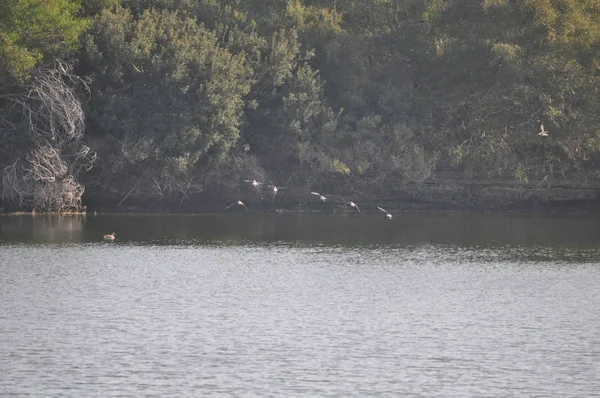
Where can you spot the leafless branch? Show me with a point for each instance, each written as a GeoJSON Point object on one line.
{"type": "Point", "coordinates": [45, 179]}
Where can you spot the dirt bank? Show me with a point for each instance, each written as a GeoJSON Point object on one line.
{"type": "Point", "coordinates": [442, 192]}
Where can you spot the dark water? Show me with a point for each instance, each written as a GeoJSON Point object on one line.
{"type": "Point", "coordinates": [300, 305]}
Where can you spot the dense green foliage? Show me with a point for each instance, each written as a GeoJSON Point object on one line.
{"type": "Point", "coordinates": [34, 30]}
{"type": "Point", "coordinates": [351, 96]}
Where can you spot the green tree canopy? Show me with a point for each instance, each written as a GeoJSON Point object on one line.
{"type": "Point", "coordinates": [164, 92]}
{"type": "Point", "coordinates": [34, 30]}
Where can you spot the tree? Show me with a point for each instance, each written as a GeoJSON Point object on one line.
{"type": "Point", "coordinates": [531, 63]}
{"type": "Point", "coordinates": [165, 95]}
{"type": "Point", "coordinates": [32, 31]}
{"type": "Point", "coordinates": [46, 178]}
{"type": "Point", "coordinates": [41, 119]}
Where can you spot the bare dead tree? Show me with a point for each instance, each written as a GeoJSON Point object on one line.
{"type": "Point", "coordinates": [46, 178]}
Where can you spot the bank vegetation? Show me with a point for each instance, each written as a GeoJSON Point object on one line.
{"type": "Point", "coordinates": [177, 102]}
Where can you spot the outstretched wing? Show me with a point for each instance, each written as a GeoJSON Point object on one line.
{"type": "Point", "coordinates": [383, 210]}
{"type": "Point", "coordinates": [239, 202]}
{"type": "Point", "coordinates": [316, 193]}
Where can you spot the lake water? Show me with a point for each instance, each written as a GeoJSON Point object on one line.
{"type": "Point", "coordinates": [452, 305]}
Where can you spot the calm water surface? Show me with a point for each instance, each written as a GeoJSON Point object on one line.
{"type": "Point", "coordinates": [300, 305]}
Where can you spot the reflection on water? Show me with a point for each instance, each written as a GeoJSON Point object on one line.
{"type": "Point", "coordinates": [51, 229]}
{"type": "Point", "coordinates": [300, 305]}
{"type": "Point", "coordinates": [405, 229]}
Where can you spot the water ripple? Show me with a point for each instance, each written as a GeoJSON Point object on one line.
{"type": "Point", "coordinates": [287, 319]}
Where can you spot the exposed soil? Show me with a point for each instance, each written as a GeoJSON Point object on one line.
{"type": "Point", "coordinates": [443, 192]}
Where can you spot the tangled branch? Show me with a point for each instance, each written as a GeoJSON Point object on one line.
{"type": "Point", "coordinates": [45, 178]}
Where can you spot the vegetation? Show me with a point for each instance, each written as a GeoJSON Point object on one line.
{"type": "Point", "coordinates": [180, 100]}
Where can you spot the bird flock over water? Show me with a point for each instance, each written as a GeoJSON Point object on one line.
{"type": "Point", "coordinates": [322, 198]}
{"type": "Point", "coordinates": [275, 190]}
{"type": "Point", "coordinates": [258, 185]}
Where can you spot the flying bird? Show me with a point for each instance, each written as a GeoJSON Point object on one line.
{"type": "Point", "coordinates": [352, 204]}
{"type": "Point", "coordinates": [110, 237]}
{"type": "Point", "coordinates": [543, 133]}
{"type": "Point", "coordinates": [275, 189]}
{"type": "Point", "coordinates": [387, 213]}
{"type": "Point", "coordinates": [239, 202]}
{"type": "Point", "coordinates": [323, 198]}
{"type": "Point", "coordinates": [254, 183]}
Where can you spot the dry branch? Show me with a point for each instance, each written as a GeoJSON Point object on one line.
{"type": "Point", "coordinates": [45, 179]}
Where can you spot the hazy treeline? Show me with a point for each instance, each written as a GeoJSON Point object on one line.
{"type": "Point", "coordinates": [169, 100]}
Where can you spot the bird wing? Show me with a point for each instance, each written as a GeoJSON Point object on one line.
{"type": "Point", "coordinates": [238, 202]}
{"type": "Point", "coordinates": [316, 193]}
{"type": "Point", "coordinates": [354, 205]}
{"type": "Point", "coordinates": [383, 210]}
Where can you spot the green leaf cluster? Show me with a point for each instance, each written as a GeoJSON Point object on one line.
{"type": "Point", "coordinates": [357, 95]}
{"type": "Point", "coordinates": [32, 31]}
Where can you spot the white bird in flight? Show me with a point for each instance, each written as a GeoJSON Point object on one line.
{"type": "Point", "coordinates": [387, 213]}
{"type": "Point", "coordinates": [254, 183]}
{"type": "Point", "coordinates": [352, 204]}
{"type": "Point", "coordinates": [275, 190]}
{"type": "Point", "coordinates": [543, 133]}
{"type": "Point", "coordinates": [323, 198]}
{"type": "Point", "coordinates": [239, 202]}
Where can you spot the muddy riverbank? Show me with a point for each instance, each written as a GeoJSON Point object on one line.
{"type": "Point", "coordinates": [442, 192]}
